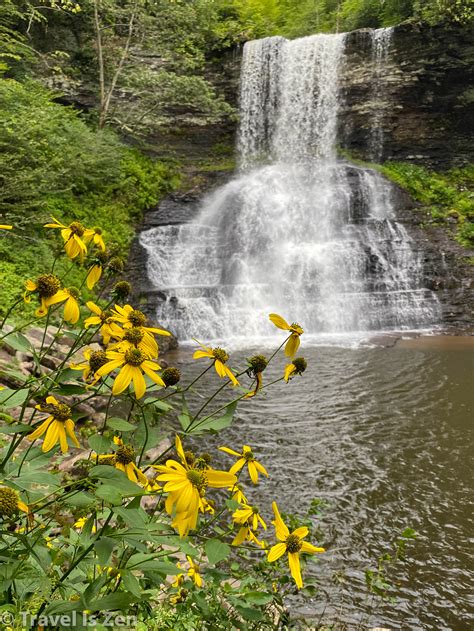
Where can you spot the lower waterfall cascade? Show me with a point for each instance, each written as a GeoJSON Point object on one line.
{"type": "Point", "coordinates": [298, 231]}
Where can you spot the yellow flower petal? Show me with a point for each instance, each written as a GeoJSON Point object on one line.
{"type": "Point", "coordinates": [220, 479]}
{"type": "Point", "coordinates": [308, 548]}
{"type": "Point", "coordinates": [281, 529]}
{"type": "Point", "coordinates": [301, 532]}
{"type": "Point", "coordinates": [292, 345]}
{"type": "Point", "coordinates": [69, 427]}
{"type": "Point", "coordinates": [139, 384]}
{"type": "Point", "coordinates": [123, 379]}
{"type": "Point", "coordinates": [40, 430]}
{"type": "Point", "coordinates": [52, 436]}
{"type": "Point", "coordinates": [289, 370]}
{"type": "Point", "coordinates": [93, 276]}
{"type": "Point", "coordinates": [295, 568]}
{"type": "Point", "coordinates": [276, 552]}
{"type": "Point", "coordinates": [279, 322]}
{"type": "Point", "coordinates": [71, 310]}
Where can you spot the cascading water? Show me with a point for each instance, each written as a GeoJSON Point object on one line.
{"type": "Point", "coordinates": [381, 42]}
{"type": "Point", "coordinates": [297, 231]}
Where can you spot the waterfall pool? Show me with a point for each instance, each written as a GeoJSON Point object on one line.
{"type": "Point", "coordinates": [384, 436]}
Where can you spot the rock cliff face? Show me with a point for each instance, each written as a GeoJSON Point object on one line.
{"type": "Point", "coordinates": [423, 106]}
{"type": "Point", "coordinates": [426, 101]}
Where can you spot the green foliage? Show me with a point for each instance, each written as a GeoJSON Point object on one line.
{"type": "Point", "coordinates": [448, 196]}
{"type": "Point", "coordinates": [52, 163]}
{"type": "Point", "coordinates": [296, 18]}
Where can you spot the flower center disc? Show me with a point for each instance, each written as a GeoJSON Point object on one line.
{"type": "Point", "coordinates": [61, 412]}
{"type": "Point", "coordinates": [293, 543]}
{"type": "Point", "coordinates": [137, 318]}
{"type": "Point", "coordinates": [134, 357]}
{"type": "Point", "coordinates": [125, 454]}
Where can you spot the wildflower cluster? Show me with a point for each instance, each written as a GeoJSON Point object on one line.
{"type": "Point", "coordinates": [130, 516]}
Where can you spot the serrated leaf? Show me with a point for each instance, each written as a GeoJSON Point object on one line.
{"type": "Point", "coordinates": [120, 425]}
{"type": "Point", "coordinates": [185, 421]}
{"type": "Point", "coordinates": [216, 551]}
{"type": "Point", "coordinates": [115, 478]}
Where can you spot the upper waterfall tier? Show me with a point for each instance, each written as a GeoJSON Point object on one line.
{"type": "Point", "coordinates": [297, 231]}
{"type": "Point", "coordinates": [289, 99]}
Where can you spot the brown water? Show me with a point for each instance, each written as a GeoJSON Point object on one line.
{"type": "Point", "coordinates": [384, 435]}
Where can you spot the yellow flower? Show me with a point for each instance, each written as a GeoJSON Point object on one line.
{"type": "Point", "coordinates": [93, 361]}
{"type": "Point", "coordinates": [193, 572]}
{"type": "Point", "coordinates": [75, 237]}
{"type": "Point", "coordinates": [4, 226]}
{"type": "Point", "coordinates": [71, 307]}
{"type": "Point", "coordinates": [152, 486]}
{"type": "Point", "coordinates": [246, 534]}
{"type": "Point", "coordinates": [108, 328]}
{"type": "Point", "coordinates": [293, 544]}
{"type": "Point", "coordinates": [246, 457]}
{"type": "Point", "coordinates": [98, 239]}
{"type": "Point", "coordinates": [238, 494]}
{"type": "Point", "coordinates": [257, 365]}
{"type": "Point", "coordinates": [249, 515]}
{"type": "Point", "coordinates": [10, 502]}
{"type": "Point", "coordinates": [81, 522]}
{"type": "Point", "coordinates": [129, 317]}
{"type": "Point", "coordinates": [297, 367]}
{"type": "Point", "coordinates": [295, 332]}
{"type": "Point", "coordinates": [124, 460]}
{"type": "Point", "coordinates": [133, 363]}
{"type": "Point", "coordinates": [186, 486]}
{"type": "Point", "coordinates": [48, 288]}
{"type": "Point", "coordinates": [135, 337]}
{"type": "Point", "coordinates": [220, 357]}
{"type": "Point", "coordinates": [249, 519]}
{"type": "Point", "coordinates": [58, 426]}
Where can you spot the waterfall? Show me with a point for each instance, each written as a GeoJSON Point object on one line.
{"type": "Point", "coordinates": [381, 42]}
{"type": "Point", "coordinates": [297, 231]}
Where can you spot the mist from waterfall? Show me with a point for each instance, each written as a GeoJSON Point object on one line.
{"type": "Point", "coordinates": [297, 231]}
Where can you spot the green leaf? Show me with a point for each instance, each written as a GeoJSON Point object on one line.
{"type": "Point", "coordinates": [409, 533]}
{"type": "Point", "coordinates": [15, 429]}
{"type": "Point", "coordinates": [216, 551]}
{"type": "Point", "coordinates": [80, 500]}
{"type": "Point", "coordinates": [104, 548]}
{"type": "Point", "coordinates": [134, 517]}
{"type": "Point", "coordinates": [109, 494]}
{"type": "Point", "coordinates": [215, 424]}
{"type": "Point", "coordinates": [13, 398]}
{"type": "Point", "coordinates": [249, 613]}
{"type": "Point", "coordinates": [119, 600]}
{"type": "Point", "coordinates": [131, 583]}
{"type": "Point", "coordinates": [120, 425]}
{"type": "Point", "coordinates": [18, 342]}
{"type": "Point", "coordinates": [157, 404]}
{"type": "Point", "coordinates": [258, 598]}
{"type": "Point", "coordinates": [115, 478]}
{"type": "Point", "coordinates": [68, 389]}
{"type": "Point", "coordinates": [185, 421]}
{"type": "Point", "coordinates": [100, 444]}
